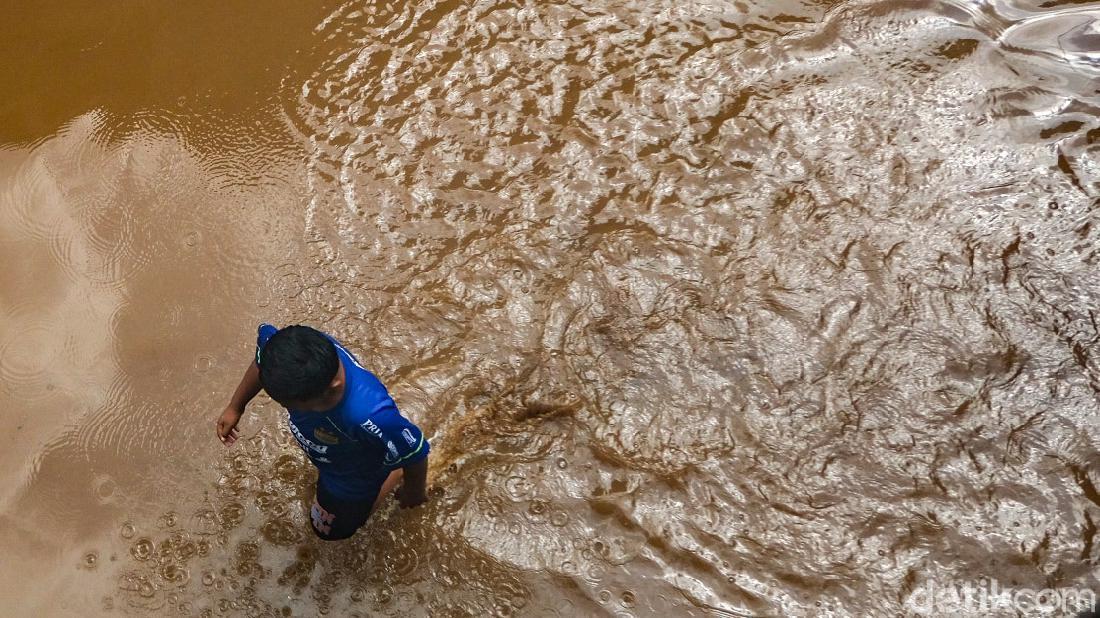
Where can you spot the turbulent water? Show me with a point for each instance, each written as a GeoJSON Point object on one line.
{"type": "Point", "coordinates": [708, 308]}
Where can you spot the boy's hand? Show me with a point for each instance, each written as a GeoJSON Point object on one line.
{"type": "Point", "coordinates": [226, 425]}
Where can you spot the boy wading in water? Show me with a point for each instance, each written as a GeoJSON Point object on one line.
{"type": "Point", "coordinates": [345, 421]}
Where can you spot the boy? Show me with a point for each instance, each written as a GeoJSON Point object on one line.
{"type": "Point", "coordinates": [343, 419]}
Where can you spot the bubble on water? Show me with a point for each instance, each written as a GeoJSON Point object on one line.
{"type": "Point", "coordinates": [104, 488]}
{"type": "Point", "coordinates": [232, 514]}
{"type": "Point", "coordinates": [561, 463]}
{"type": "Point", "coordinates": [536, 511]}
{"type": "Point", "coordinates": [559, 518]}
{"type": "Point", "coordinates": [146, 589]}
{"type": "Point", "coordinates": [604, 596]}
{"type": "Point", "coordinates": [175, 574]}
{"type": "Point", "coordinates": [627, 598]}
{"type": "Point", "coordinates": [596, 572]}
{"type": "Point", "coordinates": [518, 487]}
{"type": "Point", "coordinates": [142, 549]}
{"type": "Point", "coordinates": [90, 560]}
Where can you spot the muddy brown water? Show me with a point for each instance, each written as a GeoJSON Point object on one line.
{"type": "Point", "coordinates": [708, 308]}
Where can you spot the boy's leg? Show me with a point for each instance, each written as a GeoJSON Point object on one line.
{"type": "Point", "coordinates": [333, 519]}
{"type": "Point", "coordinates": [387, 488]}
{"type": "Point", "coordinates": [322, 519]}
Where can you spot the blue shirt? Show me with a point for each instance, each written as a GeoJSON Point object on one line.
{"type": "Point", "coordinates": [359, 442]}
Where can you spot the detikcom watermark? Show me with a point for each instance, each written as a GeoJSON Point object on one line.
{"type": "Point", "coordinates": [985, 596]}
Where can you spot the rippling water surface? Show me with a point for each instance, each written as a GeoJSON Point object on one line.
{"type": "Point", "coordinates": [709, 308]}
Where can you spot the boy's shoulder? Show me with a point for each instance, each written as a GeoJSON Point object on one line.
{"type": "Point", "coordinates": [368, 400]}
{"type": "Point", "coordinates": [264, 332]}
{"type": "Point", "coordinates": [366, 404]}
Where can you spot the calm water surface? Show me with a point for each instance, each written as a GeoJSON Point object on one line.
{"type": "Point", "coordinates": [709, 308]}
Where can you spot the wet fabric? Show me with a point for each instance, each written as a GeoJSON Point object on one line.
{"type": "Point", "coordinates": [334, 518]}
{"type": "Point", "coordinates": [359, 442]}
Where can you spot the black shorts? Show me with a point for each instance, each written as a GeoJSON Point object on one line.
{"type": "Point", "coordinates": [335, 518]}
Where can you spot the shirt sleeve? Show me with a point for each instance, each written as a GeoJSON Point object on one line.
{"type": "Point", "coordinates": [404, 442]}
{"type": "Point", "coordinates": [263, 333]}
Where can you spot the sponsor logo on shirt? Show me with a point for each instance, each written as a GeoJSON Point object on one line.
{"type": "Point", "coordinates": [308, 445]}
{"type": "Point", "coordinates": [408, 437]}
{"type": "Point", "coordinates": [372, 428]}
{"type": "Point", "coordinates": [326, 436]}
{"type": "Point", "coordinates": [391, 457]}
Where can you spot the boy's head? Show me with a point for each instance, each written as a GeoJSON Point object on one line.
{"type": "Point", "coordinates": [299, 369]}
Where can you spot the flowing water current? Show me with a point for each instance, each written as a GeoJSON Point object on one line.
{"type": "Point", "coordinates": [709, 308]}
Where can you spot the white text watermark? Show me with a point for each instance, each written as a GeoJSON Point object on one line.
{"type": "Point", "coordinates": [983, 596]}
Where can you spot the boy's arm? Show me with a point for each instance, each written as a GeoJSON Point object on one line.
{"type": "Point", "coordinates": [226, 425]}
{"type": "Point", "coordinates": [405, 448]}
{"type": "Point", "coordinates": [414, 487]}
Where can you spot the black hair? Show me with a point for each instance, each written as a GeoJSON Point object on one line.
{"type": "Point", "coordinates": [297, 364]}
